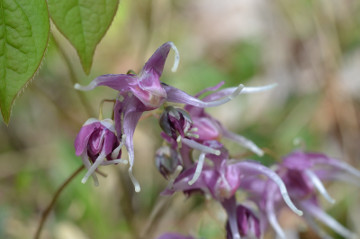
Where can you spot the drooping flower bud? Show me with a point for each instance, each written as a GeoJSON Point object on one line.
{"type": "Point", "coordinates": [166, 160]}
{"type": "Point", "coordinates": [175, 122]}
{"type": "Point", "coordinates": [97, 144]}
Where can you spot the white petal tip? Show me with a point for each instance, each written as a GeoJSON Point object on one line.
{"type": "Point", "coordinates": [134, 181]}
{"type": "Point", "coordinates": [77, 86]}
{"type": "Point", "coordinates": [191, 182]}
{"type": "Point", "coordinates": [259, 152]}
{"type": "Point", "coordinates": [83, 181]}
{"type": "Point", "coordinates": [91, 86]}
{"type": "Point", "coordinates": [177, 57]}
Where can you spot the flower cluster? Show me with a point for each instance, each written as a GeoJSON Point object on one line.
{"type": "Point", "coordinates": [188, 131]}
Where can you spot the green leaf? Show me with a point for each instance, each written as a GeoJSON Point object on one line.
{"type": "Point", "coordinates": [24, 33]}
{"type": "Point", "coordinates": [83, 23]}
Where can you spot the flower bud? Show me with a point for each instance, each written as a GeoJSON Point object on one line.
{"type": "Point", "coordinates": [166, 160]}
{"type": "Point", "coordinates": [175, 122]}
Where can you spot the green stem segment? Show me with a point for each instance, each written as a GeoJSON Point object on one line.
{"type": "Point", "coordinates": [48, 209]}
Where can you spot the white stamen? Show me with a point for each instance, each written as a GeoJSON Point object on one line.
{"type": "Point", "coordinates": [134, 181]}
{"type": "Point", "coordinates": [194, 129]}
{"type": "Point", "coordinates": [226, 99]}
{"type": "Point", "coordinates": [319, 186]}
{"type": "Point", "coordinates": [177, 57]}
{"type": "Point", "coordinates": [87, 164]}
{"type": "Point", "coordinates": [198, 170]}
{"type": "Point", "coordinates": [203, 148]}
{"type": "Point", "coordinates": [248, 90]}
{"type": "Point", "coordinates": [115, 161]}
{"type": "Point", "coordinates": [196, 136]}
{"type": "Point", "coordinates": [116, 151]}
{"type": "Point", "coordinates": [93, 167]}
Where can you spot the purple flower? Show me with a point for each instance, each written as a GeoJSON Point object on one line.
{"type": "Point", "coordinates": [208, 128]}
{"type": "Point", "coordinates": [241, 221]}
{"type": "Point", "coordinates": [97, 144]}
{"type": "Point", "coordinates": [174, 236]}
{"type": "Point", "coordinates": [302, 174]}
{"type": "Point", "coordinates": [223, 181]}
{"type": "Point", "coordinates": [194, 130]}
{"type": "Point", "coordinates": [144, 92]}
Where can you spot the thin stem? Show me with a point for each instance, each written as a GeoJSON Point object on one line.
{"type": "Point", "coordinates": [73, 78]}
{"type": "Point", "coordinates": [101, 107]}
{"type": "Point", "coordinates": [48, 209]}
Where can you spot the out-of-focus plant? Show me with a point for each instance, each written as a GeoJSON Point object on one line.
{"type": "Point", "coordinates": [197, 156]}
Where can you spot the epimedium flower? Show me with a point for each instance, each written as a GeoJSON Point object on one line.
{"type": "Point", "coordinates": [210, 128]}
{"type": "Point", "coordinates": [97, 144]}
{"type": "Point", "coordinates": [137, 94]}
{"type": "Point", "coordinates": [223, 179]}
{"type": "Point", "coordinates": [303, 174]}
{"type": "Point", "coordinates": [221, 182]}
{"type": "Point", "coordinates": [144, 92]}
{"type": "Point", "coordinates": [193, 128]}
{"type": "Point", "coordinates": [242, 221]}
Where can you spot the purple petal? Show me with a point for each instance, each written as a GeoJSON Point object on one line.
{"type": "Point", "coordinates": [83, 136]}
{"type": "Point", "coordinates": [157, 61]}
{"type": "Point", "coordinates": [207, 129]}
{"type": "Point", "coordinates": [118, 82]}
{"type": "Point", "coordinates": [173, 236]}
{"type": "Point", "coordinates": [110, 142]}
{"type": "Point", "coordinates": [213, 88]}
{"type": "Point", "coordinates": [247, 90]}
{"type": "Point", "coordinates": [249, 168]}
{"type": "Point", "coordinates": [230, 208]}
{"type": "Point", "coordinates": [178, 96]}
{"type": "Point", "coordinates": [242, 141]}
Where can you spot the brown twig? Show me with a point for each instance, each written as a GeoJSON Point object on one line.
{"type": "Point", "coordinates": [48, 209]}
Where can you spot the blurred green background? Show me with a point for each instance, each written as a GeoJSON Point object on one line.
{"type": "Point", "coordinates": [311, 48]}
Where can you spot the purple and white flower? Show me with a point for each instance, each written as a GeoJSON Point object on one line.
{"type": "Point", "coordinates": [144, 92]}
{"type": "Point", "coordinates": [97, 145]}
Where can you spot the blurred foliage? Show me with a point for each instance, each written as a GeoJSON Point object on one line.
{"type": "Point", "coordinates": [310, 48]}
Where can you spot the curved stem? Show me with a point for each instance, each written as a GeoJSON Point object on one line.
{"type": "Point", "coordinates": [48, 209]}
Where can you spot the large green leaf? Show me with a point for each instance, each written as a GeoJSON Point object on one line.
{"type": "Point", "coordinates": [24, 33]}
{"type": "Point", "coordinates": [83, 23]}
